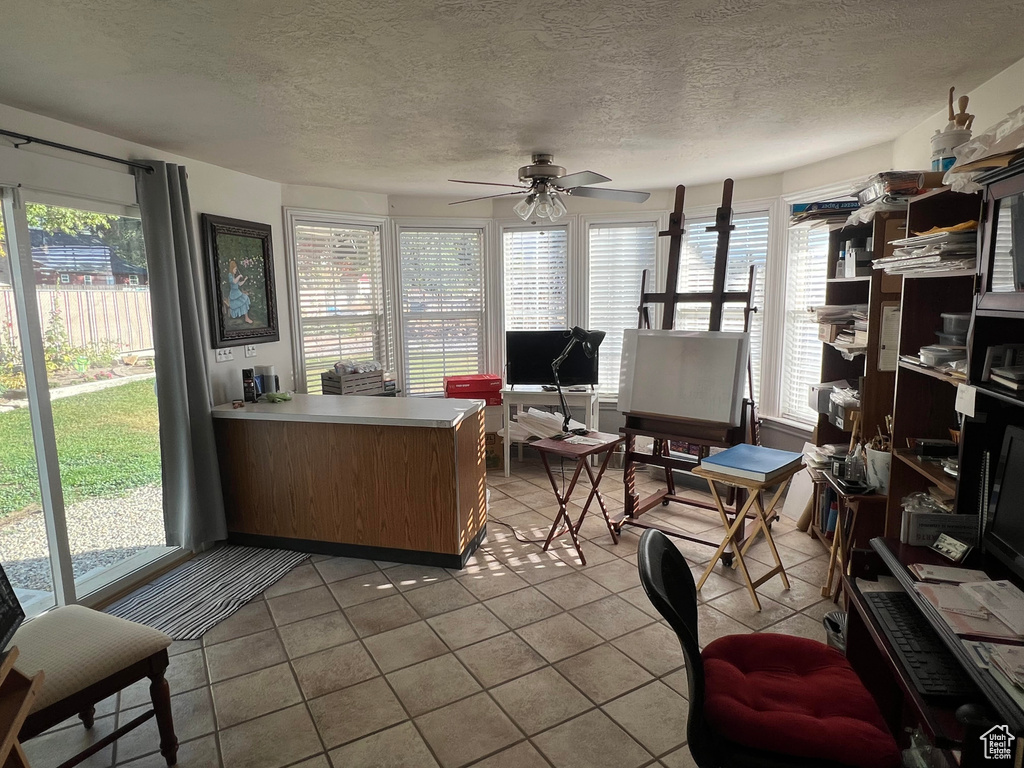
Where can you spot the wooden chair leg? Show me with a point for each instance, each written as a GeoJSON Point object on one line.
{"type": "Point", "coordinates": [160, 692]}
{"type": "Point", "coordinates": [88, 717]}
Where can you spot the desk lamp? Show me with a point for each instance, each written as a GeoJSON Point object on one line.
{"type": "Point", "coordinates": [590, 340]}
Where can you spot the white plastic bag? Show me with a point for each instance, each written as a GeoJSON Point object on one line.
{"type": "Point", "coordinates": [1004, 136]}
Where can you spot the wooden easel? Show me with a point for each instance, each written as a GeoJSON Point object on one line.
{"type": "Point", "coordinates": [702, 434]}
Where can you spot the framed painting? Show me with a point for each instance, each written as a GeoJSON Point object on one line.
{"type": "Point", "coordinates": [240, 282]}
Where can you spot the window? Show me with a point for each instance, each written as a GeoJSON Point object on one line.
{"type": "Point", "coordinates": [535, 274]}
{"type": "Point", "coordinates": [133, 279]}
{"type": "Point", "coordinates": [88, 279]}
{"type": "Point", "coordinates": [806, 264]}
{"type": "Point", "coordinates": [617, 255]}
{"type": "Point", "coordinates": [442, 280]}
{"type": "Point", "coordinates": [340, 296]}
{"type": "Point", "coordinates": [65, 278]}
{"type": "Point", "coordinates": [748, 246]}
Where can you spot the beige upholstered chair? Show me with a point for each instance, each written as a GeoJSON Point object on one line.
{"type": "Point", "coordinates": [87, 656]}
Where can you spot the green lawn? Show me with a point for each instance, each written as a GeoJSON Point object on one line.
{"type": "Point", "coordinates": [107, 444]}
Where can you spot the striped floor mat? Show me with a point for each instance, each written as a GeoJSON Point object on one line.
{"type": "Point", "coordinates": [194, 597]}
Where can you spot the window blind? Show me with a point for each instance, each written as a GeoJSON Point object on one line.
{"type": "Point", "coordinates": [341, 297]}
{"type": "Point", "coordinates": [618, 253]}
{"type": "Point", "coordinates": [748, 245]}
{"type": "Point", "coordinates": [442, 306]}
{"type": "Point", "coordinates": [535, 273]}
{"type": "Point", "coordinates": [806, 268]}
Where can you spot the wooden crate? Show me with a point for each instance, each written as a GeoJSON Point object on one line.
{"type": "Point", "coordinates": [371, 383]}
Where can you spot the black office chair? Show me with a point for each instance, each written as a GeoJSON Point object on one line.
{"type": "Point", "coordinates": [764, 700]}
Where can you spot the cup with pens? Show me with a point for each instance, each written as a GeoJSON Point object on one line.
{"type": "Point", "coordinates": [879, 458]}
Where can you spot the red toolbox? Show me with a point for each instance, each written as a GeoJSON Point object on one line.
{"type": "Point", "coordinates": [479, 386]}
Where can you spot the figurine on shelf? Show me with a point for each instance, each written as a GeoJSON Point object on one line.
{"type": "Point", "coordinates": [962, 119]}
{"type": "Point", "coordinates": [957, 132]}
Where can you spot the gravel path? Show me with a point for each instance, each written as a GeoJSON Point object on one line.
{"type": "Point", "coordinates": [101, 532]}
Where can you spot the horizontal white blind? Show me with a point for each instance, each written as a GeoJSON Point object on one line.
{"type": "Point", "coordinates": [618, 253]}
{"type": "Point", "coordinates": [341, 296]}
{"type": "Point", "coordinates": [748, 245]}
{"type": "Point", "coordinates": [442, 306]}
{"type": "Point", "coordinates": [806, 268]}
{"type": "Point", "coordinates": [535, 274]}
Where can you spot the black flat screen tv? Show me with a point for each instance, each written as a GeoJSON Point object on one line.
{"type": "Point", "coordinates": [11, 613]}
{"type": "Point", "coordinates": [528, 356]}
{"type": "Point", "coordinates": [1005, 535]}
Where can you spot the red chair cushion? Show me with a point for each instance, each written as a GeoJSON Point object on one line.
{"type": "Point", "coordinates": [794, 697]}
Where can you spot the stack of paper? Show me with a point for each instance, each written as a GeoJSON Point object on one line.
{"type": "Point", "coordinates": [540, 423]}
{"type": "Point", "coordinates": [993, 610]}
{"type": "Point", "coordinates": [937, 252]}
{"type": "Point", "coordinates": [1009, 659]}
{"type": "Point", "coordinates": [838, 313]}
{"type": "Point", "coordinates": [946, 574]}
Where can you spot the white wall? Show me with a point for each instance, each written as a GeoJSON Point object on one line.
{"type": "Point", "coordinates": [990, 102]}
{"type": "Point", "coordinates": [213, 190]}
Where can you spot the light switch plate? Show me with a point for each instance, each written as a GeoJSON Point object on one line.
{"type": "Point", "coordinates": [225, 355]}
{"type": "Point", "coordinates": [250, 350]}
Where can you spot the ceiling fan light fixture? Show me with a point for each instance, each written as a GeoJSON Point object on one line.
{"type": "Point", "coordinates": [544, 205]}
{"type": "Point", "coordinates": [524, 208]}
{"type": "Point", "coordinates": [558, 209]}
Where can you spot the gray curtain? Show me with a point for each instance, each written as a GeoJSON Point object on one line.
{"type": "Point", "coordinates": [193, 503]}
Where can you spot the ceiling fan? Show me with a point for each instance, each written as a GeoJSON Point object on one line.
{"type": "Point", "coordinates": [544, 183]}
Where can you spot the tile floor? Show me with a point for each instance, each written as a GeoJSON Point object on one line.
{"type": "Point", "coordinates": [523, 659]}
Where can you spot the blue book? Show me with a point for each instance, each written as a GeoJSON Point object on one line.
{"type": "Point", "coordinates": [752, 462]}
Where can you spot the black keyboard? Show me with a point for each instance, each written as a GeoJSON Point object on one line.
{"type": "Point", "coordinates": [931, 666]}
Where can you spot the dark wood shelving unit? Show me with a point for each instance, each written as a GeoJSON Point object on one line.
{"type": "Point", "coordinates": [872, 290]}
{"type": "Point", "coordinates": [924, 398]}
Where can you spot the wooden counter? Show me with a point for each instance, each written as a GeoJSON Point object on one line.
{"type": "Point", "coordinates": [399, 479]}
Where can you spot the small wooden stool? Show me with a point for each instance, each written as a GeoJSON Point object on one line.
{"type": "Point", "coordinates": [581, 454]}
{"type": "Point", "coordinates": [762, 519]}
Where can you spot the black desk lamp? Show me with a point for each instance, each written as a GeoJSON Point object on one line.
{"type": "Point", "coordinates": [590, 340]}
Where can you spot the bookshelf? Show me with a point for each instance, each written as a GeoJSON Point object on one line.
{"type": "Point", "coordinates": [924, 397]}
{"type": "Point", "coordinates": [874, 290]}
{"type": "Point", "coordinates": [875, 382]}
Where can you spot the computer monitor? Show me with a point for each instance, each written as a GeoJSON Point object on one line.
{"type": "Point", "coordinates": [1004, 537]}
{"type": "Point", "coordinates": [528, 356]}
{"type": "Point", "coordinates": [11, 612]}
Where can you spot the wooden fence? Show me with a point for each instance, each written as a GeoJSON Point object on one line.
{"type": "Point", "coordinates": [89, 315]}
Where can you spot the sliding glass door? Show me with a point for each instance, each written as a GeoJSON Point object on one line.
{"type": "Point", "coordinates": [24, 540]}
{"type": "Point", "coordinates": [83, 359]}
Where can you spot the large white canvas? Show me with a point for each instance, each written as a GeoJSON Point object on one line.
{"type": "Point", "coordinates": [684, 374]}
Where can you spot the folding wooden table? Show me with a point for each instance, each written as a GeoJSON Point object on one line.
{"type": "Point", "coordinates": [581, 455]}
{"type": "Point", "coordinates": [763, 517]}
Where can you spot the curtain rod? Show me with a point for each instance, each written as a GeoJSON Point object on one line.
{"type": "Point", "coordinates": [35, 140]}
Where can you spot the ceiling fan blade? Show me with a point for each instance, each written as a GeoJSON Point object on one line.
{"type": "Point", "coordinates": [488, 183]}
{"type": "Point", "coordinates": [625, 195]}
{"type": "Point", "coordinates": [580, 179]}
{"type": "Point", "coordinates": [488, 197]}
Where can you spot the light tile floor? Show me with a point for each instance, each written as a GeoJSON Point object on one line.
{"type": "Point", "coordinates": [525, 658]}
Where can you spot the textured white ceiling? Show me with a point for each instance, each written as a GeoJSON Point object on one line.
{"type": "Point", "coordinates": [398, 96]}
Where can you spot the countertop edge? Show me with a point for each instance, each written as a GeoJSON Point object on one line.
{"type": "Point", "coordinates": [224, 411]}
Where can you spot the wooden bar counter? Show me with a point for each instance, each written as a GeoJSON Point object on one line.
{"type": "Point", "coordinates": [399, 479]}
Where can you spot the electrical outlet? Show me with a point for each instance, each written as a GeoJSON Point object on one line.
{"type": "Point", "coordinates": [250, 350]}
{"type": "Point", "coordinates": [225, 355]}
